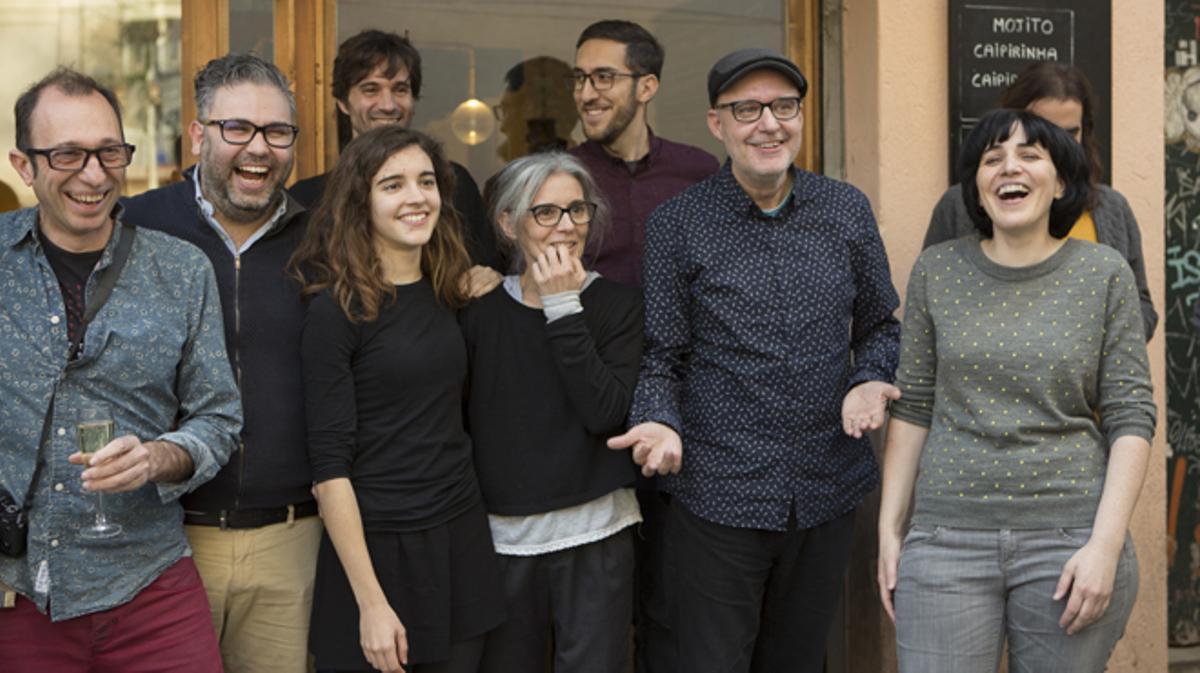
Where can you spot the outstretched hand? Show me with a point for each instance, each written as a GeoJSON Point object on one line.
{"type": "Point", "coordinates": [656, 447]}
{"type": "Point", "coordinates": [865, 407]}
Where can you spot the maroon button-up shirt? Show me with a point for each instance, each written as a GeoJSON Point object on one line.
{"type": "Point", "coordinates": [633, 191]}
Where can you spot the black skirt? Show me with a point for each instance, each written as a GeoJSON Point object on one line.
{"type": "Point", "coordinates": [444, 584]}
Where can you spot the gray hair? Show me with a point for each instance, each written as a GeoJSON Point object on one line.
{"type": "Point", "coordinates": [517, 185]}
{"type": "Point", "coordinates": [235, 69]}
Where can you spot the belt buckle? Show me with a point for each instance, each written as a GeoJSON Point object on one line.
{"type": "Point", "coordinates": [291, 515]}
{"type": "Point", "coordinates": [223, 521]}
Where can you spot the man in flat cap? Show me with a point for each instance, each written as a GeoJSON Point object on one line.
{"type": "Point", "coordinates": [770, 348]}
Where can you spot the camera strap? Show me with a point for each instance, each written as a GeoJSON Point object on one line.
{"type": "Point", "coordinates": [108, 280]}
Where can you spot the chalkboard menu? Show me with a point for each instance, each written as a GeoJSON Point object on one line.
{"type": "Point", "coordinates": [991, 42]}
{"type": "Point", "coordinates": [1182, 237]}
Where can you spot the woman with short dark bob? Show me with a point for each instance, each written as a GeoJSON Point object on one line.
{"type": "Point", "coordinates": [406, 575]}
{"type": "Point", "coordinates": [1061, 93]}
{"type": "Point", "coordinates": [554, 355]}
{"type": "Point", "coordinates": [1024, 425]}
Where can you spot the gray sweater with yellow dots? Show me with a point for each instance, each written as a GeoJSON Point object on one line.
{"type": "Point", "coordinates": [1024, 377]}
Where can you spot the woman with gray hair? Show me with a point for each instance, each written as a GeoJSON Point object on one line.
{"type": "Point", "coordinates": [554, 357]}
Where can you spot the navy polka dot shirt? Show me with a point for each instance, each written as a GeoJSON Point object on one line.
{"type": "Point", "coordinates": [756, 327]}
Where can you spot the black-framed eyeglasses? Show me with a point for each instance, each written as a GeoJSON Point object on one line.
{"type": "Point", "coordinates": [747, 111]}
{"type": "Point", "coordinates": [602, 80]}
{"type": "Point", "coordinates": [75, 158]}
{"type": "Point", "coordinates": [550, 214]}
{"type": "Point", "coordinates": [242, 132]}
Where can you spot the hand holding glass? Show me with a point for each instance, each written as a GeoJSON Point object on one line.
{"type": "Point", "coordinates": [95, 431]}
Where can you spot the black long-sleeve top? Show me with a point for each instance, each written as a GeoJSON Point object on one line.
{"type": "Point", "coordinates": [384, 408]}
{"type": "Point", "coordinates": [544, 398]}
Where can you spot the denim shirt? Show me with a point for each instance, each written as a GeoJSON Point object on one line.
{"type": "Point", "coordinates": [155, 354]}
{"type": "Point", "coordinates": [757, 325]}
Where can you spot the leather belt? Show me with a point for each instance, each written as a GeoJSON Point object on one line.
{"type": "Point", "coordinates": [250, 518]}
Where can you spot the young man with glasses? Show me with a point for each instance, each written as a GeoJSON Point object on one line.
{"type": "Point", "coordinates": [770, 347]}
{"type": "Point", "coordinates": [617, 69]}
{"type": "Point", "coordinates": [96, 314]}
{"type": "Point", "coordinates": [254, 528]}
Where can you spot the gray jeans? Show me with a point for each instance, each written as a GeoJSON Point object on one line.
{"type": "Point", "coordinates": [960, 593]}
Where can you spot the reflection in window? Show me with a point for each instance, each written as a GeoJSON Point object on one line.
{"type": "Point", "coordinates": [131, 46]}
{"type": "Point", "coordinates": [470, 40]}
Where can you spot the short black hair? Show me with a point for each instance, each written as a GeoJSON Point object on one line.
{"type": "Point", "coordinates": [1070, 162]}
{"type": "Point", "coordinates": [643, 53]}
{"type": "Point", "coordinates": [359, 55]}
{"type": "Point", "coordinates": [70, 82]}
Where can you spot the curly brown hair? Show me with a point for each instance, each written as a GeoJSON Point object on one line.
{"type": "Point", "coordinates": [338, 251]}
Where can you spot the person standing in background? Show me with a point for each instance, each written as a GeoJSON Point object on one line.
{"type": "Point", "coordinates": [618, 67]}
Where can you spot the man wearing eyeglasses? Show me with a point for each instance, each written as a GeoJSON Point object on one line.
{"type": "Point", "coordinates": [254, 529]}
{"type": "Point", "coordinates": [98, 315]}
{"type": "Point", "coordinates": [770, 348]}
{"type": "Point", "coordinates": [617, 69]}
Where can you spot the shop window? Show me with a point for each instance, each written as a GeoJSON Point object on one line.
{"type": "Point", "coordinates": [130, 46]}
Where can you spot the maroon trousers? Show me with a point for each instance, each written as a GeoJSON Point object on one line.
{"type": "Point", "coordinates": [166, 627]}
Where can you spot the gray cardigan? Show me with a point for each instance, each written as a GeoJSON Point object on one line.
{"type": "Point", "coordinates": [1115, 227]}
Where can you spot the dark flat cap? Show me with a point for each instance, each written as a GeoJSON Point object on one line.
{"type": "Point", "coordinates": [732, 66]}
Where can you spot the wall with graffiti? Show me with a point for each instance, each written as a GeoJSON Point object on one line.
{"type": "Point", "coordinates": [1182, 125]}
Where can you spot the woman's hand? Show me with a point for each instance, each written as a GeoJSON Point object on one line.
{"type": "Point", "coordinates": [557, 270]}
{"type": "Point", "coordinates": [1087, 582]}
{"type": "Point", "coordinates": [383, 638]}
{"type": "Point", "coordinates": [889, 563]}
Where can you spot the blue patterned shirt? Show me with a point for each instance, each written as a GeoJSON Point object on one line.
{"type": "Point", "coordinates": [155, 354]}
{"type": "Point", "coordinates": [757, 325]}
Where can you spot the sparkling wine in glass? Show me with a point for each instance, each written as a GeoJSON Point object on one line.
{"type": "Point", "coordinates": [95, 430]}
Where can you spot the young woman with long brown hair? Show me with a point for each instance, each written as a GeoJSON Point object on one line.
{"type": "Point", "coordinates": [406, 574]}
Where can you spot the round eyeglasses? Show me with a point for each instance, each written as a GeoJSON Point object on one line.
{"type": "Point", "coordinates": [549, 214]}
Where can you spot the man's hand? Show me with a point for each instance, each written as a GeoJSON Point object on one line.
{"type": "Point", "coordinates": [557, 270]}
{"type": "Point", "coordinates": [656, 447]}
{"type": "Point", "coordinates": [480, 280]}
{"type": "Point", "coordinates": [126, 464]}
{"type": "Point", "coordinates": [865, 406]}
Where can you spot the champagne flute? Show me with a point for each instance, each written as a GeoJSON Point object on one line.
{"type": "Point", "coordinates": [95, 431]}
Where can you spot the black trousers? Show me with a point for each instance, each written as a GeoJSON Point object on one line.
{"type": "Point", "coordinates": [755, 601]}
{"type": "Point", "coordinates": [654, 644]}
{"type": "Point", "coordinates": [581, 596]}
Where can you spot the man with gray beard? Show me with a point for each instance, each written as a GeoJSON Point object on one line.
{"type": "Point", "coordinates": [253, 529]}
